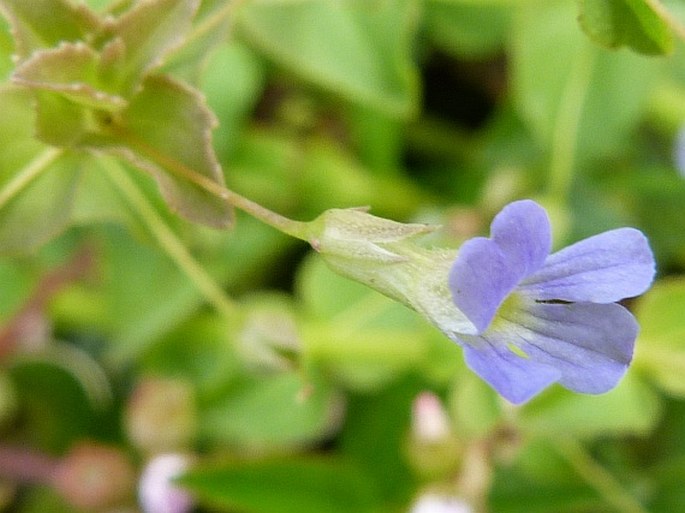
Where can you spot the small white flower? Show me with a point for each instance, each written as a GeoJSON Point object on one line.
{"type": "Point", "coordinates": [434, 503]}
{"type": "Point", "coordinates": [157, 492]}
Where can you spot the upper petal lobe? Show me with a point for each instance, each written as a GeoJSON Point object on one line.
{"type": "Point", "coordinates": [523, 232]}
{"type": "Point", "coordinates": [602, 269]}
{"type": "Point", "coordinates": [480, 278]}
{"type": "Point", "coordinates": [487, 270]}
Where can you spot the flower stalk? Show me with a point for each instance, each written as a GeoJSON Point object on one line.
{"type": "Point", "coordinates": [281, 223]}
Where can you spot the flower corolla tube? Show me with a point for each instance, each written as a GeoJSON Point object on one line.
{"type": "Point", "coordinates": [525, 318]}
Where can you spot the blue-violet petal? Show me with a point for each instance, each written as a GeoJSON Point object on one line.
{"type": "Point", "coordinates": [590, 344]}
{"type": "Point", "coordinates": [523, 233]}
{"type": "Point", "coordinates": [515, 378]}
{"type": "Point", "coordinates": [487, 270]}
{"type": "Point", "coordinates": [602, 269]}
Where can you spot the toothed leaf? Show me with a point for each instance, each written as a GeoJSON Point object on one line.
{"type": "Point", "coordinates": [167, 127]}
{"type": "Point", "coordinates": [149, 31]}
{"type": "Point", "coordinates": [45, 23]}
{"type": "Point", "coordinates": [632, 23]}
{"type": "Point", "coordinates": [72, 70]}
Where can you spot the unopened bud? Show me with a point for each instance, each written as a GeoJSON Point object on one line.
{"type": "Point", "coordinates": [430, 423]}
{"type": "Point", "coordinates": [93, 476]}
{"type": "Point", "coordinates": [269, 338]}
{"type": "Point", "coordinates": [433, 449]}
{"type": "Point", "coordinates": [161, 415]}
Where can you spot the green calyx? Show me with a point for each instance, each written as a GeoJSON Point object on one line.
{"type": "Point", "coordinates": [385, 256]}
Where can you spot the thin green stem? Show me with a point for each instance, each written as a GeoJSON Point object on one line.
{"type": "Point", "coordinates": [565, 135]}
{"type": "Point", "coordinates": [169, 241]}
{"type": "Point", "coordinates": [27, 174]}
{"type": "Point", "coordinates": [211, 21]}
{"type": "Point", "coordinates": [598, 477]}
{"type": "Point", "coordinates": [283, 224]}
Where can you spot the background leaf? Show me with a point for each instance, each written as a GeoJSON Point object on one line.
{"type": "Point", "coordinates": [295, 486]}
{"type": "Point", "coordinates": [661, 348]}
{"type": "Point", "coordinates": [43, 210]}
{"type": "Point", "coordinates": [149, 31]}
{"type": "Point", "coordinates": [40, 209]}
{"type": "Point", "coordinates": [472, 30]}
{"type": "Point", "coordinates": [630, 408]}
{"type": "Point", "coordinates": [615, 23]}
{"type": "Point", "coordinates": [605, 92]}
{"type": "Point", "coordinates": [283, 410]}
{"type": "Point", "coordinates": [371, 41]}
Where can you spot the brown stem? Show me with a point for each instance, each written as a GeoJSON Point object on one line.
{"type": "Point", "coordinates": [24, 321]}
{"type": "Point", "coordinates": [19, 464]}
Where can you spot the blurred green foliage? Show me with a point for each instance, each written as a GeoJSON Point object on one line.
{"type": "Point", "coordinates": [291, 388]}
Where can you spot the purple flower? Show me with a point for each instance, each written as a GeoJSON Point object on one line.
{"type": "Point", "coordinates": [535, 318]}
{"type": "Point", "coordinates": [525, 318]}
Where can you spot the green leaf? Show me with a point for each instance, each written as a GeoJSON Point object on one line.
{"type": "Point", "coordinates": [36, 185]}
{"type": "Point", "coordinates": [475, 406]}
{"type": "Point", "coordinates": [44, 500]}
{"type": "Point", "coordinates": [515, 493]}
{"type": "Point", "coordinates": [469, 30]}
{"type": "Point", "coordinates": [281, 410]}
{"type": "Point", "coordinates": [289, 485]}
{"type": "Point", "coordinates": [149, 31]}
{"type": "Point", "coordinates": [145, 294]}
{"type": "Point", "coordinates": [60, 122]}
{"type": "Point", "coordinates": [40, 24]}
{"type": "Point", "coordinates": [358, 49]}
{"type": "Point", "coordinates": [541, 461]}
{"type": "Point", "coordinates": [669, 494]}
{"type": "Point", "coordinates": [210, 361]}
{"type": "Point", "coordinates": [272, 167]}
{"type": "Point", "coordinates": [375, 430]}
{"type": "Point", "coordinates": [587, 97]}
{"type": "Point", "coordinates": [660, 310]}
{"type": "Point", "coordinates": [18, 283]}
{"type": "Point", "coordinates": [73, 71]}
{"type": "Point", "coordinates": [6, 49]}
{"type": "Point", "coordinates": [655, 195]}
{"type": "Point", "coordinates": [362, 337]}
{"type": "Point", "coordinates": [19, 146]}
{"type": "Point", "coordinates": [232, 81]}
{"type": "Point", "coordinates": [54, 405]}
{"type": "Point", "coordinates": [166, 130]}
{"type": "Point", "coordinates": [43, 209]}
{"type": "Point", "coordinates": [211, 26]}
{"type": "Point", "coordinates": [631, 408]}
{"type": "Point", "coordinates": [632, 23]}
{"type": "Point", "coordinates": [660, 350]}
